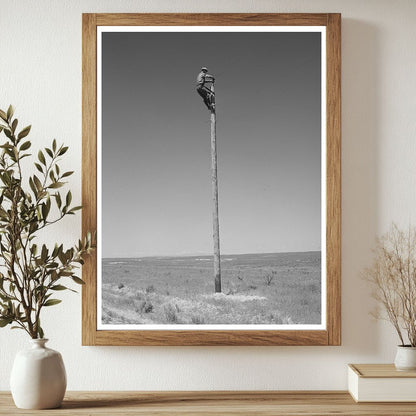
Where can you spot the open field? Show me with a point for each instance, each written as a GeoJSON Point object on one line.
{"type": "Point", "coordinates": [282, 288]}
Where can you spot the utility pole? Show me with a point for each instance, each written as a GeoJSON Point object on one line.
{"type": "Point", "coordinates": [214, 181]}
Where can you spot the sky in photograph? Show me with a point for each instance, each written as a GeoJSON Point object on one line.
{"type": "Point", "coordinates": [156, 179]}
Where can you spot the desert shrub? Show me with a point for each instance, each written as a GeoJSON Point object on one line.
{"type": "Point", "coordinates": [231, 291]}
{"type": "Point", "coordinates": [252, 287]}
{"type": "Point", "coordinates": [120, 285]}
{"type": "Point", "coordinates": [148, 307]}
{"type": "Point", "coordinates": [271, 318]}
{"type": "Point", "coordinates": [197, 320]}
{"type": "Point", "coordinates": [150, 289]}
{"type": "Point", "coordinates": [171, 314]}
{"type": "Point", "coordinates": [268, 279]}
{"type": "Point", "coordinates": [145, 306]}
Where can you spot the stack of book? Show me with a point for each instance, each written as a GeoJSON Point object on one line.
{"type": "Point", "coordinates": [381, 383]}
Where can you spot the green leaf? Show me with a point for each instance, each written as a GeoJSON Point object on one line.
{"type": "Point", "coordinates": [63, 150]}
{"type": "Point", "coordinates": [10, 112]}
{"type": "Point", "coordinates": [75, 209]}
{"type": "Point", "coordinates": [24, 133]}
{"type": "Point", "coordinates": [51, 302]}
{"type": "Point", "coordinates": [40, 332]}
{"type": "Point", "coordinates": [37, 183]}
{"type": "Point", "coordinates": [76, 279]}
{"type": "Point", "coordinates": [33, 187]}
{"type": "Point", "coordinates": [44, 253]}
{"type": "Point", "coordinates": [68, 198]}
{"type": "Point", "coordinates": [3, 115]}
{"type": "Point", "coordinates": [62, 257]}
{"type": "Point", "coordinates": [39, 167]}
{"type": "Point", "coordinates": [33, 227]}
{"type": "Point", "coordinates": [41, 157]}
{"type": "Point", "coordinates": [49, 152]}
{"type": "Point", "coordinates": [25, 145]}
{"type": "Point", "coordinates": [14, 125]}
{"type": "Point", "coordinates": [59, 287]}
{"type": "Point", "coordinates": [8, 133]}
{"type": "Point", "coordinates": [34, 249]}
{"type": "Point", "coordinates": [5, 321]}
{"type": "Point", "coordinates": [58, 199]}
{"type": "Point", "coordinates": [54, 145]}
{"type": "Point", "coordinates": [45, 211]}
{"type": "Point", "coordinates": [55, 251]}
{"type": "Point", "coordinates": [67, 174]}
{"type": "Point", "coordinates": [56, 185]}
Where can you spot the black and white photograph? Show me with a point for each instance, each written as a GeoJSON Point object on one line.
{"type": "Point", "coordinates": [211, 178]}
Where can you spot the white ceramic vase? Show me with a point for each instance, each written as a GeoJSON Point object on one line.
{"type": "Point", "coordinates": [38, 378]}
{"type": "Point", "coordinates": [405, 358]}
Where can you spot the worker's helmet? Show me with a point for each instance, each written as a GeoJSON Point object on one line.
{"type": "Point", "coordinates": [204, 68]}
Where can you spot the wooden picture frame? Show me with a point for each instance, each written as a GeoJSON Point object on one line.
{"type": "Point", "coordinates": [331, 334]}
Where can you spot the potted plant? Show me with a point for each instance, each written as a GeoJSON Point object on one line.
{"type": "Point", "coordinates": [31, 273]}
{"type": "Point", "coordinates": [393, 277]}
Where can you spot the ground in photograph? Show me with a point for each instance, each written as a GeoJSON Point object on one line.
{"type": "Point", "coordinates": [283, 288]}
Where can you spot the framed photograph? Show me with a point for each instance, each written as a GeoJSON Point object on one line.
{"type": "Point", "coordinates": [211, 173]}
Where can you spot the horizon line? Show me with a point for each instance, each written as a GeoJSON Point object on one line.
{"type": "Point", "coordinates": [211, 254]}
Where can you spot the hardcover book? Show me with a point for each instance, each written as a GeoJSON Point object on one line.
{"type": "Point", "coordinates": [381, 383]}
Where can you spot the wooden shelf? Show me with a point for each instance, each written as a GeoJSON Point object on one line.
{"type": "Point", "coordinates": [212, 403]}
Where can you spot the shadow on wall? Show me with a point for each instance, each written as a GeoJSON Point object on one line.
{"type": "Point", "coordinates": [360, 187]}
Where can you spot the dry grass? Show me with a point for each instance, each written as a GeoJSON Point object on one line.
{"type": "Point", "coordinates": [393, 276]}
{"type": "Point", "coordinates": [181, 290]}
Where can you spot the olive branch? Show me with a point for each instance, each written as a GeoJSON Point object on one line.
{"type": "Point", "coordinates": [30, 272]}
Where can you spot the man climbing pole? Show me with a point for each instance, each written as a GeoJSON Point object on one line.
{"type": "Point", "coordinates": [208, 96]}
{"type": "Point", "coordinates": [205, 92]}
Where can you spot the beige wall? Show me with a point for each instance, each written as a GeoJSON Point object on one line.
{"type": "Point", "coordinates": [40, 74]}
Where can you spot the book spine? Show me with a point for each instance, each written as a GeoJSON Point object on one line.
{"type": "Point", "coordinates": [353, 381]}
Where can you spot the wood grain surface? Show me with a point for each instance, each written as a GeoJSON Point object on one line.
{"type": "Point", "coordinates": [380, 371]}
{"type": "Point", "coordinates": [333, 179]}
{"type": "Point", "coordinates": [211, 19]}
{"type": "Point", "coordinates": [332, 334]}
{"type": "Point", "coordinates": [212, 403]}
{"type": "Point", "coordinates": [89, 172]}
